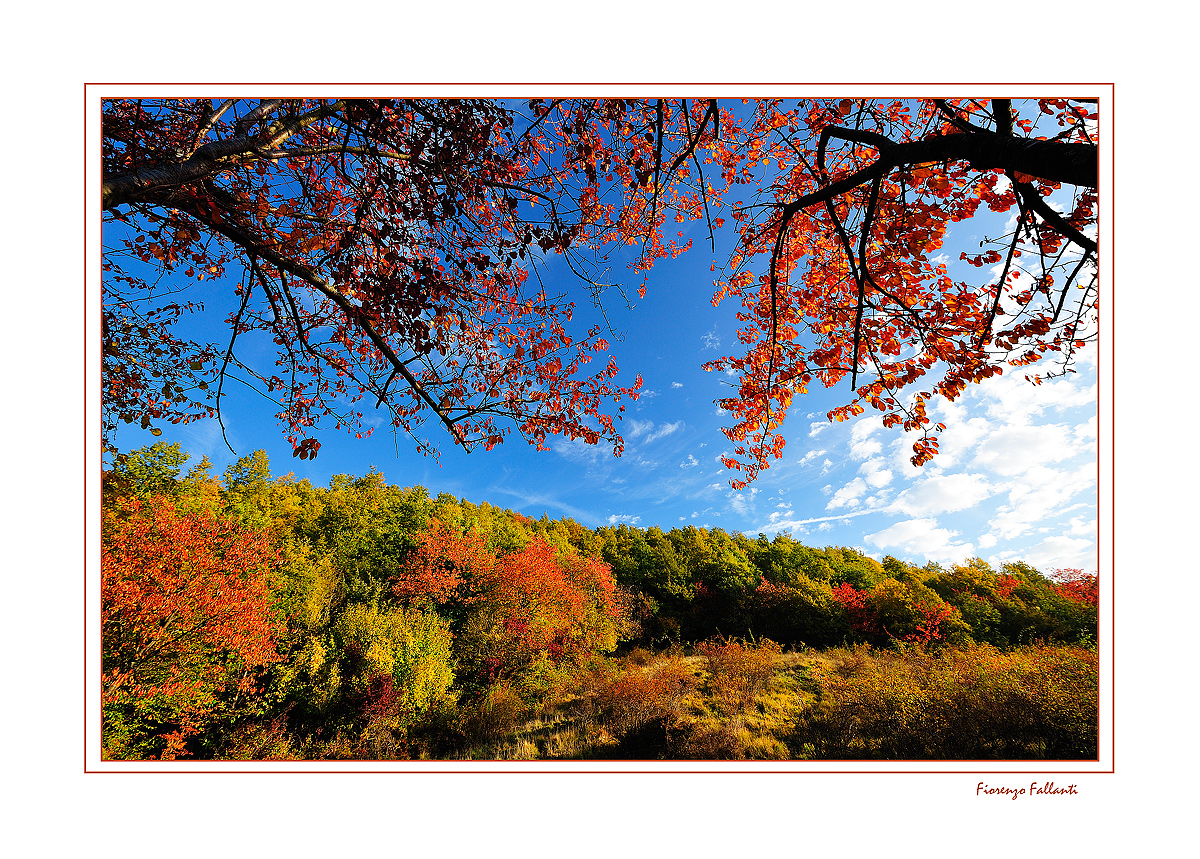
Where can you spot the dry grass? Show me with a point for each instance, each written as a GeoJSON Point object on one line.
{"type": "Point", "coordinates": [735, 701]}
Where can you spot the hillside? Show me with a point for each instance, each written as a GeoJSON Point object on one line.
{"type": "Point", "coordinates": [254, 617]}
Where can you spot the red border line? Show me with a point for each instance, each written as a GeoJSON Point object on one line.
{"type": "Point", "coordinates": [491, 86]}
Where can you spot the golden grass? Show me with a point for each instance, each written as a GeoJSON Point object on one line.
{"type": "Point", "coordinates": [730, 700]}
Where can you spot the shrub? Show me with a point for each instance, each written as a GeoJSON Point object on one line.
{"type": "Point", "coordinates": [406, 651]}
{"type": "Point", "coordinates": [638, 695]}
{"type": "Point", "coordinates": [187, 628]}
{"type": "Point", "coordinates": [494, 714]}
{"type": "Point", "coordinates": [738, 671]}
{"type": "Point", "coordinates": [1032, 703]}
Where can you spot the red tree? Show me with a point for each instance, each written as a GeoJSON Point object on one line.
{"type": "Point", "coordinates": [859, 611]}
{"type": "Point", "coordinates": [1075, 584]}
{"type": "Point", "coordinates": [186, 623]}
{"type": "Point", "coordinates": [536, 604]}
{"type": "Point", "coordinates": [445, 565]}
{"type": "Point", "coordinates": [849, 221]}
{"type": "Point", "coordinates": [386, 247]}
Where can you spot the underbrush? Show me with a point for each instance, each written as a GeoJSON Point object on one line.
{"type": "Point", "coordinates": [1038, 702]}
{"type": "Point", "coordinates": [733, 700]}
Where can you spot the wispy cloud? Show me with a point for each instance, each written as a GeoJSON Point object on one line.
{"type": "Point", "coordinates": [548, 502]}
{"type": "Point", "coordinates": [664, 430]}
{"type": "Point", "coordinates": [638, 428]}
{"type": "Point", "coordinates": [742, 502]}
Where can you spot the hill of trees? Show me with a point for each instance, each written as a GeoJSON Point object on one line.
{"type": "Point", "coordinates": [254, 617]}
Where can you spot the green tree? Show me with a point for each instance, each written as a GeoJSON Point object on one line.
{"type": "Point", "coordinates": [150, 470]}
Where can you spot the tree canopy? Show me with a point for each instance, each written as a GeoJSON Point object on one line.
{"type": "Point", "coordinates": [392, 250]}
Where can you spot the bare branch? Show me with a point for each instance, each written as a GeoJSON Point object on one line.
{"type": "Point", "coordinates": [1035, 201]}
{"type": "Point", "coordinates": [208, 122]}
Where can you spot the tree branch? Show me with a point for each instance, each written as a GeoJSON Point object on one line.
{"type": "Point", "coordinates": [217, 156]}
{"type": "Point", "coordinates": [1073, 163]}
{"type": "Point", "coordinates": [258, 246]}
{"type": "Point", "coordinates": [1035, 201]}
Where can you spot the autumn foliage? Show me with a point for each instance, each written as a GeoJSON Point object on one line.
{"type": "Point", "coordinates": [444, 565]}
{"type": "Point", "coordinates": [187, 624]}
{"type": "Point", "coordinates": [386, 247]}
{"type": "Point", "coordinates": [1078, 586]}
{"type": "Point", "coordinates": [845, 233]}
{"type": "Point", "coordinates": [393, 251]}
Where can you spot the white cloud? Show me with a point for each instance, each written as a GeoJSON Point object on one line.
{"type": "Point", "coordinates": [943, 493]}
{"type": "Point", "coordinates": [577, 450]}
{"type": "Point", "coordinates": [810, 456]}
{"type": "Point", "coordinates": [692, 462]}
{"type": "Point", "coordinates": [862, 446]}
{"type": "Point", "coordinates": [740, 501]}
{"type": "Point", "coordinates": [1058, 551]}
{"type": "Point", "coordinates": [664, 430]}
{"type": "Point", "coordinates": [1041, 494]}
{"type": "Point", "coordinates": [676, 384]}
{"type": "Point", "coordinates": [645, 431]}
{"type": "Point", "coordinates": [875, 474]}
{"type": "Point", "coordinates": [1080, 527]}
{"type": "Point", "coordinates": [922, 538]}
{"type": "Point", "coordinates": [1012, 399]}
{"type": "Point", "coordinates": [637, 428]}
{"type": "Point", "coordinates": [958, 442]}
{"type": "Point", "coordinates": [1012, 450]}
{"type": "Point", "coordinates": [1086, 435]}
{"type": "Point", "coordinates": [848, 495]}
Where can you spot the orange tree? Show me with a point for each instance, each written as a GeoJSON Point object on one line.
{"type": "Point", "coordinates": [391, 250]}
{"type": "Point", "coordinates": [513, 610]}
{"type": "Point", "coordinates": [187, 627]}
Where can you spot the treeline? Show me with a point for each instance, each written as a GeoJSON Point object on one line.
{"type": "Point", "coordinates": [248, 617]}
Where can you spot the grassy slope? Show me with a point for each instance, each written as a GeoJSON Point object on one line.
{"type": "Point", "coordinates": [731, 701]}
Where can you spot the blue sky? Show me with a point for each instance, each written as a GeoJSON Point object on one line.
{"type": "Point", "coordinates": [1016, 477]}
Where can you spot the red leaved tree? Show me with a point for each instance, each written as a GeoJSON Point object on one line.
{"type": "Point", "coordinates": [843, 236]}
{"type": "Point", "coordinates": [445, 565]}
{"type": "Point", "coordinates": [390, 249]}
{"type": "Point", "coordinates": [186, 624]}
{"type": "Point", "coordinates": [1074, 584]}
{"type": "Point", "coordinates": [537, 604]}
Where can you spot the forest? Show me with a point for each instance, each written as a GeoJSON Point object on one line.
{"type": "Point", "coordinates": [259, 617]}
